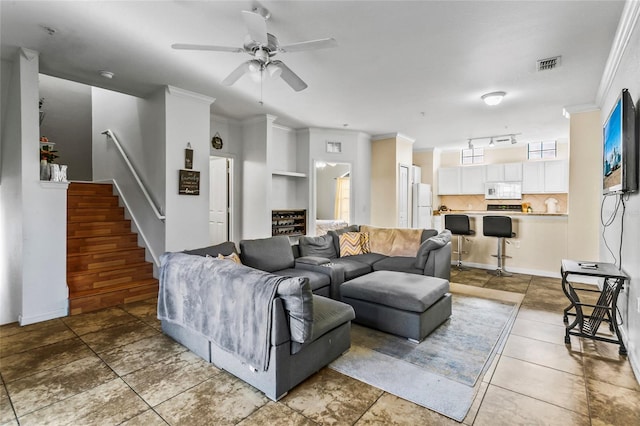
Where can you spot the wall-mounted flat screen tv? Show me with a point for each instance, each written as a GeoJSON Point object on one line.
{"type": "Point", "coordinates": [620, 151]}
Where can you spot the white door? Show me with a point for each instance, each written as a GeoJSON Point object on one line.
{"type": "Point", "coordinates": [218, 200]}
{"type": "Point", "coordinates": [403, 197]}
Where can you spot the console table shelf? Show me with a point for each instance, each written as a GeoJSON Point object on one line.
{"type": "Point", "coordinates": [604, 310]}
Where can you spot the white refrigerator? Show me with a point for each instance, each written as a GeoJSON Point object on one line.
{"type": "Point", "coordinates": [422, 208]}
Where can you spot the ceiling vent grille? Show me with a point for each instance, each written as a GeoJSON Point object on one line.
{"type": "Point", "coordinates": [548, 63]}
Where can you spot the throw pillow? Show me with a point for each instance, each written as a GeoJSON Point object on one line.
{"type": "Point", "coordinates": [321, 246]}
{"type": "Point", "coordinates": [365, 241]}
{"type": "Point", "coordinates": [232, 257]}
{"type": "Point", "coordinates": [351, 244]}
{"type": "Point", "coordinates": [432, 243]}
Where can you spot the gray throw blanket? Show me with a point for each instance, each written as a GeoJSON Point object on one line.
{"type": "Point", "coordinates": [229, 304]}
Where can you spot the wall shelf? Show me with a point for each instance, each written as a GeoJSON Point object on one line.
{"type": "Point", "coordinates": [289, 174]}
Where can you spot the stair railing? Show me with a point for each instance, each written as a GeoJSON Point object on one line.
{"type": "Point", "coordinates": [125, 157]}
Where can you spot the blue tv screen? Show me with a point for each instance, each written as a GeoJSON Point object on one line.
{"type": "Point", "coordinates": [620, 147]}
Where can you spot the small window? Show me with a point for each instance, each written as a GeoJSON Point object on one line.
{"type": "Point", "coordinates": [540, 150]}
{"type": "Point", "coordinates": [472, 156]}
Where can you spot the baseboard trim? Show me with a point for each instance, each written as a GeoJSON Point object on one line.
{"type": "Point", "coordinates": [26, 320]}
{"type": "Point", "coordinates": [537, 272]}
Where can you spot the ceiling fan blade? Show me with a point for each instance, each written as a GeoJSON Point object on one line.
{"type": "Point", "coordinates": [182, 46]}
{"type": "Point", "coordinates": [309, 45]}
{"type": "Point", "coordinates": [290, 77]}
{"type": "Point", "coordinates": [257, 26]}
{"type": "Point", "coordinates": [235, 75]}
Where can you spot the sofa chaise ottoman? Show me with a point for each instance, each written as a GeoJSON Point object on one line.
{"type": "Point", "coordinates": [400, 303]}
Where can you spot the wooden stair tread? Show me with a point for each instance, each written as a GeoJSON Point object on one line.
{"type": "Point", "coordinates": [127, 266]}
{"type": "Point", "coordinates": [131, 285]}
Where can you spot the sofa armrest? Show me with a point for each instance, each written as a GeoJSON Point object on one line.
{"type": "Point", "coordinates": [312, 260]}
{"type": "Point", "coordinates": [335, 272]}
{"type": "Point", "coordinates": [439, 263]}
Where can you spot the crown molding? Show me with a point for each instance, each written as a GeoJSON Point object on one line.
{"type": "Point", "coordinates": [627, 23]}
{"type": "Point", "coordinates": [172, 90]}
{"type": "Point", "coordinates": [392, 136]}
{"type": "Point", "coordinates": [577, 109]}
{"type": "Point", "coordinates": [28, 54]}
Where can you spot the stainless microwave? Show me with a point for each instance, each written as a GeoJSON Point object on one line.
{"type": "Point", "coordinates": [503, 191]}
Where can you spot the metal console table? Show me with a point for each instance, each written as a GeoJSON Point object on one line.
{"type": "Point", "coordinates": [605, 308]}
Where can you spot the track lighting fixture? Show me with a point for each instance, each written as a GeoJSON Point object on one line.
{"type": "Point", "coordinates": [494, 139]}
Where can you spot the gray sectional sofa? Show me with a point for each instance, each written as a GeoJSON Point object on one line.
{"type": "Point", "coordinates": [306, 331]}
{"type": "Point", "coordinates": [214, 308]}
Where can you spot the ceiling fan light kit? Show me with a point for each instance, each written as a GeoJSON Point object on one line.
{"type": "Point", "coordinates": [493, 98]}
{"type": "Point", "coordinates": [262, 46]}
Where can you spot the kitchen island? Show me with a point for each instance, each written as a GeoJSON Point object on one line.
{"type": "Point", "coordinates": [538, 248]}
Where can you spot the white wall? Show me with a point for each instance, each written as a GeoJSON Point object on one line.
{"type": "Point", "coordinates": [626, 76]}
{"type": "Point", "coordinates": [67, 123]}
{"type": "Point", "coordinates": [256, 178]}
{"type": "Point", "coordinates": [187, 121]}
{"type": "Point", "coordinates": [138, 124]}
{"type": "Point", "coordinates": [33, 214]}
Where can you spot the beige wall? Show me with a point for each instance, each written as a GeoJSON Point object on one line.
{"type": "Point", "coordinates": [584, 185]}
{"type": "Point", "coordinates": [384, 201]}
{"type": "Point", "coordinates": [510, 154]}
{"type": "Point", "coordinates": [386, 157]}
{"type": "Point", "coordinates": [424, 160]}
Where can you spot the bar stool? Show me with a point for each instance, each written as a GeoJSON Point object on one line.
{"type": "Point", "coordinates": [458, 224]}
{"type": "Point", "coordinates": [498, 226]}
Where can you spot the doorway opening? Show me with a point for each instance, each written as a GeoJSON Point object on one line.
{"type": "Point", "coordinates": [220, 199]}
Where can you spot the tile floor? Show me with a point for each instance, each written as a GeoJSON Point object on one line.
{"type": "Point", "coordinates": [115, 367]}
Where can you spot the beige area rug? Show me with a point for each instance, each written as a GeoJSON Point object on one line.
{"type": "Point", "coordinates": [444, 371]}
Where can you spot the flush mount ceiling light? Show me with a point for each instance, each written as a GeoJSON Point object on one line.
{"type": "Point", "coordinates": [493, 98]}
{"type": "Point", "coordinates": [106, 74]}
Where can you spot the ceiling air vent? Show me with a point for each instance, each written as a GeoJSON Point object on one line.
{"type": "Point", "coordinates": [548, 63]}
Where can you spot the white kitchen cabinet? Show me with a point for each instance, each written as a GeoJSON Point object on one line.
{"type": "Point", "coordinates": [472, 179]}
{"type": "Point", "coordinates": [504, 172]}
{"type": "Point", "coordinates": [512, 172]}
{"type": "Point", "coordinates": [556, 176]}
{"type": "Point", "coordinates": [495, 172]}
{"type": "Point", "coordinates": [533, 177]}
{"type": "Point", "coordinates": [449, 181]}
{"type": "Point", "coordinates": [539, 177]}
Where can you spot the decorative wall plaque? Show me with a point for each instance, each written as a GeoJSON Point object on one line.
{"type": "Point", "coordinates": [189, 182]}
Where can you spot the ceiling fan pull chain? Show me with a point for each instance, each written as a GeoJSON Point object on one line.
{"type": "Point", "coordinates": [261, 81]}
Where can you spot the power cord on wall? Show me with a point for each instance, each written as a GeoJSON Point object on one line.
{"type": "Point", "coordinates": [609, 221]}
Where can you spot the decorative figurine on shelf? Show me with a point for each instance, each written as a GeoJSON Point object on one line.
{"type": "Point", "coordinates": [47, 156]}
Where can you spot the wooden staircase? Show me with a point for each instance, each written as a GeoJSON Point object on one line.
{"type": "Point", "coordinates": [105, 266]}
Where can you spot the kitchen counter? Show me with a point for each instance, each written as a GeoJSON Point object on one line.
{"type": "Point", "coordinates": [498, 212]}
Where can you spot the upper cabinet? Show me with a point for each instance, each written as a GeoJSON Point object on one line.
{"type": "Point", "coordinates": [537, 177]}
{"type": "Point", "coordinates": [512, 172]}
{"type": "Point", "coordinates": [504, 172]}
{"type": "Point", "coordinates": [472, 179]}
{"type": "Point", "coordinates": [449, 180]}
{"type": "Point", "coordinates": [540, 177]}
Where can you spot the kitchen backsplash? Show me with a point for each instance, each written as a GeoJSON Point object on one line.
{"type": "Point", "coordinates": [477, 202]}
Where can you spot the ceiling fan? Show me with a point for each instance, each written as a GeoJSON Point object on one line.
{"type": "Point", "coordinates": [263, 46]}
